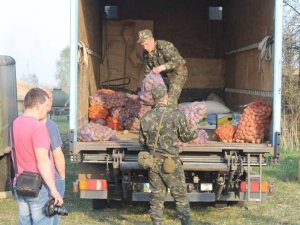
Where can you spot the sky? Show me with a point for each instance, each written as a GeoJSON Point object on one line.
{"type": "Point", "coordinates": [34, 32]}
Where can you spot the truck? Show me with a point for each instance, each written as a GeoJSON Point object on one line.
{"type": "Point", "coordinates": [232, 48]}
{"type": "Point", "coordinates": [8, 107]}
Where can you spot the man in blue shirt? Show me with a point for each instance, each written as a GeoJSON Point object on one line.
{"type": "Point", "coordinates": [57, 153]}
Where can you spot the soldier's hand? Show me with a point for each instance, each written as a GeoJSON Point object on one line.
{"type": "Point", "coordinates": [158, 69]}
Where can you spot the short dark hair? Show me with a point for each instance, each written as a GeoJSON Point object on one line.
{"type": "Point", "coordinates": [35, 96]}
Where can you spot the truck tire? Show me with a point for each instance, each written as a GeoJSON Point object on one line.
{"type": "Point", "coordinates": [5, 173]}
{"type": "Point", "coordinates": [99, 203]}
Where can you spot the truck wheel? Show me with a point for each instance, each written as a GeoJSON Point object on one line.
{"type": "Point", "coordinates": [5, 178]}
{"type": "Point", "coordinates": [99, 204]}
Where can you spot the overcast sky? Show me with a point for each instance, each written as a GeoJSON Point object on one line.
{"type": "Point", "coordinates": [34, 32]}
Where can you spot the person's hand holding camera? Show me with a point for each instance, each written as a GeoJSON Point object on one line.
{"type": "Point", "coordinates": [51, 209]}
{"type": "Point", "coordinates": [57, 198]}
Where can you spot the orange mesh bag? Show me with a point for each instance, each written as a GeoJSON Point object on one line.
{"type": "Point", "coordinates": [225, 133]}
{"type": "Point", "coordinates": [97, 112]}
{"type": "Point", "coordinates": [113, 123]}
{"type": "Point", "coordinates": [101, 96]}
{"type": "Point", "coordinates": [254, 122]}
{"type": "Point", "coordinates": [105, 91]}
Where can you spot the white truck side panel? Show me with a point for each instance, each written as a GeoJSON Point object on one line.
{"type": "Point", "coordinates": [277, 69]}
{"type": "Point", "coordinates": [73, 66]}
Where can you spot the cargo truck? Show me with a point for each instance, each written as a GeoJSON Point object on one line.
{"type": "Point", "coordinates": [232, 48]}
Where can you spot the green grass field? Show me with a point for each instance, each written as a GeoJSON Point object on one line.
{"type": "Point", "coordinates": [282, 207]}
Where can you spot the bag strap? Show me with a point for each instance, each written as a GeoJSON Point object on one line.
{"type": "Point", "coordinates": [13, 150]}
{"type": "Point", "coordinates": [158, 130]}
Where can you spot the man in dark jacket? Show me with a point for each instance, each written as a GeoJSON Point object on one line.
{"type": "Point", "coordinates": [163, 58]}
{"type": "Point", "coordinates": [160, 130]}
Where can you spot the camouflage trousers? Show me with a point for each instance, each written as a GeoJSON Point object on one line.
{"type": "Point", "coordinates": [175, 82]}
{"type": "Point", "coordinates": [160, 182]}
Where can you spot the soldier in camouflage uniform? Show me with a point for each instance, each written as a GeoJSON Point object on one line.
{"type": "Point", "coordinates": [162, 57]}
{"type": "Point", "coordinates": [160, 137]}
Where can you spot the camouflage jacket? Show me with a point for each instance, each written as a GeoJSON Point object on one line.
{"type": "Point", "coordinates": [174, 128]}
{"type": "Point", "coordinates": [164, 53]}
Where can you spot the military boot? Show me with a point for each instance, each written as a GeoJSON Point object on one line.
{"type": "Point", "coordinates": [185, 220]}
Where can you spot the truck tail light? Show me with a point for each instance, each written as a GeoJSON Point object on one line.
{"type": "Point", "coordinates": [254, 186]}
{"type": "Point", "coordinates": [75, 186]}
{"type": "Point", "coordinates": [93, 185]}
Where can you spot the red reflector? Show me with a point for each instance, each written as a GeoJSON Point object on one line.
{"type": "Point", "coordinates": [254, 186]}
{"type": "Point", "coordinates": [93, 184]}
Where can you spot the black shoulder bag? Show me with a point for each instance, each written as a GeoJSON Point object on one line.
{"type": "Point", "coordinates": [27, 183]}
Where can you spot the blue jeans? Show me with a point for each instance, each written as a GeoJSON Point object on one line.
{"type": "Point", "coordinates": [31, 209]}
{"type": "Point", "coordinates": [60, 185]}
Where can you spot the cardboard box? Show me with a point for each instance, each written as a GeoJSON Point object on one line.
{"type": "Point", "coordinates": [236, 117]}
{"type": "Point", "coordinates": [212, 121]}
{"type": "Point", "coordinates": [224, 119]}
{"type": "Point", "coordinates": [208, 122]}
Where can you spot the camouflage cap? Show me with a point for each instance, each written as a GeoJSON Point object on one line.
{"type": "Point", "coordinates": [143, 35]}
{"type": "Point", "coordinates": [158, 91]}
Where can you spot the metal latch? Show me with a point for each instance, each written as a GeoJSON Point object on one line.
{"type": "Point", "coordinates": [117, 158]}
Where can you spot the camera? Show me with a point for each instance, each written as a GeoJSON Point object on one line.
{"type": "Point", "coordinates": [51, 209]}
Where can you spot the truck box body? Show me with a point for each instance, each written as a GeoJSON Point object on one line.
{"type": "Point", "coordinates": [219, 40]}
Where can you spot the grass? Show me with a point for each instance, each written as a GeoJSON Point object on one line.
{"type": "Point", "coordinates": [62, 122]}
{"type": "Point", "coordinates": [282, 207]}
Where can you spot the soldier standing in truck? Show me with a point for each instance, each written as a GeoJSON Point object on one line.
{"type": "Point", "coordinates": [162, 57]}
{"type": "Point", "coordinates": [160, 130]}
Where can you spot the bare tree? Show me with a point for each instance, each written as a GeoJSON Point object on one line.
{"type": "Point", "coordinates": [291, 75]}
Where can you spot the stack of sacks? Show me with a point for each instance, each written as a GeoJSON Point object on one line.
{"type": "Point", "coordinates": [100, 97]}
{"type": "Point", "coordinates": [193, 111]}
{"type": "Point", "coordinates": [97, 112]}
{"type": "Point", "coordinates": [254, 122]}
{"type": "Point", "coordinates": [202, 137]}
{"type": "Point", "coordinates": [95, 132]}
{"type": "Point", "coordinates": [145, 95]}
{"type": "Point", "coordinates": [117, 110]}
{"type": "Point", "coordinates": [225, 133]}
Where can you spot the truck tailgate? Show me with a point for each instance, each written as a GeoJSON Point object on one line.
{"type": "Point", "coordinates": [129, 141]}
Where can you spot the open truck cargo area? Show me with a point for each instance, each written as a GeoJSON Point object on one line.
{"type": "Point", "coordinates": [232, 48]}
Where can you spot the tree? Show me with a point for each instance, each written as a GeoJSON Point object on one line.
{"type": "Point", "coordinates": [291, 68]}
{"type": "Point", "coordinates": [62, 69]}
{"type": "Point", "coordinates": [30, 78]}
{"type": "Point", "coordinates": [291, 33]}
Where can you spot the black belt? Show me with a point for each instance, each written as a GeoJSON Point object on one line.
{"type": "Point", "coordinates": [161, 156]}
